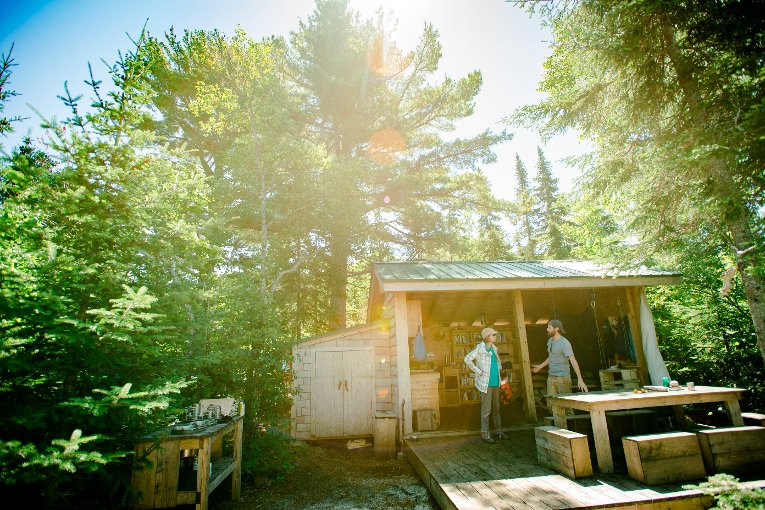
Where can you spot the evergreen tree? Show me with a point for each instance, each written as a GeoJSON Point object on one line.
{"type": "Point", "coordinates": [6, 63]}
{"type": "Point", "coordinates": [549, 212]}
{"type": "Point", "coordinates": [522, 213]}
{"type": "Point", "coordinates": [392, 178]}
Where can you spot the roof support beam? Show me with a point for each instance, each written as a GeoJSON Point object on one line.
{"type": "Point", "coordinates": [528, 386]}
{"type": "Point", "coordinates": [404, 404]}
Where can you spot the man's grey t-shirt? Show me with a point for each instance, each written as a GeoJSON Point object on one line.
{"type": "Point", "coordinates": [559, 351]}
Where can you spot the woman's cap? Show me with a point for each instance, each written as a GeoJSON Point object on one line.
{"type": "Point", "coordinates": [487, 331]}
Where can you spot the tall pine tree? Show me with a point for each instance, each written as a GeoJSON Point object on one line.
{"type": "Point", "coordinates": [522, 213]}
{"type": "Point", "coordinates": [549, 212]}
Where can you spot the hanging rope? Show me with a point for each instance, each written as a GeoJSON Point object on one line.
{"type": "Point", "coordinates": [601, 352]}
{"type": "Point", "coordinates": [555, 312]}
{"type": "Point", "coordinates": [627, 337]}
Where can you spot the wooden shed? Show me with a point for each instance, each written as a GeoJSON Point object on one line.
{"type": "Point", "coordinates": [344, 379]}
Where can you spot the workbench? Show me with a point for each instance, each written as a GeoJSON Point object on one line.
{"type": "Point", "coordinates": [158, 479]}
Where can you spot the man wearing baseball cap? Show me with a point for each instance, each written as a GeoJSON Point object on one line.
{"type": "Point", "coordinates": [484, 362]}
{"type": "Point", "coordinates": [560, 354]}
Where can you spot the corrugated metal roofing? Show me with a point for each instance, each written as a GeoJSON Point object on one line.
{"type": "Point", "coordinates": [507, 270]}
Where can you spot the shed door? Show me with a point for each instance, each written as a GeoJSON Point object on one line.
{"type": "Point", "coordinates": [343, 393]}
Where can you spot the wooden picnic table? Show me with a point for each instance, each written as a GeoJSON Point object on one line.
{"type": "Point", "coordinates": [598, 402]}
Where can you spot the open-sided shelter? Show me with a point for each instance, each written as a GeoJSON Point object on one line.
{"type": "Point", "coordinates": [345, 378]}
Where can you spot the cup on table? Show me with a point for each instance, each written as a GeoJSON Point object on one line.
{"type": "Point", "coordinates": [665, 382]}
{"type": "Point", "coordinates": [691, 386]}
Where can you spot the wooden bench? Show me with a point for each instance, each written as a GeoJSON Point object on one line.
{"type": "Point", "coordinates": [581, 423]}
{"type": "Point", "coordinates": [753, 419]}
{"type": "Point", "coordinates": [564, 451]}
{"type": "Point", "coordinates": [733, 450]}
{"type": "Point", "coordinates": [663, 458]}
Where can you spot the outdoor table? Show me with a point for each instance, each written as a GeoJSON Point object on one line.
{"type": "Point", "coordinates": [598, 402]}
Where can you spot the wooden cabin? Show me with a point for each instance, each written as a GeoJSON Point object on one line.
{"type": "Point", "coordinates": [345, 379]}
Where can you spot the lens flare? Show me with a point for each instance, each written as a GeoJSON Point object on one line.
{"type": "Point", "coordinates": [385, 146]}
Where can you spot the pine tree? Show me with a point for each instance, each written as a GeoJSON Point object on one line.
{"type": "Point", "coordinates": [522, 213]}
{"type": "Point", "coordinates": [549, 212]}
{"type": "Point", "coordinates": [393, 182]}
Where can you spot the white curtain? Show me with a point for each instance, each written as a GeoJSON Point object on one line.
{"type": "Point", "coordinates": [656, 367]}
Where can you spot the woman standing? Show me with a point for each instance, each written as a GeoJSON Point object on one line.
{"type": "Point", "coordinates": [484, 362]}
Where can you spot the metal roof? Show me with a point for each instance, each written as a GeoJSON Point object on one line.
{"type": "Point", "coordinates": [433, 272]}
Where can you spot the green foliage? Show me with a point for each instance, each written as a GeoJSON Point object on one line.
{"type": "Point", "coordinates": [267, 455]}
{"type": "Point", "coordinates": [730, 494]}
{"type": "Point", "coordinates": [707, 337]}
{"type": "Point", "coordinates": [116, 307]}
{"type": "Point", "coordinates": [673, 105]}
{"type": "Point", "coordinates": [549, 212]}
{"type": "Point", "coordinates": [521, 214]}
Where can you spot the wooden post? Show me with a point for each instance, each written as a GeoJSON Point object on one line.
{"type": "Point", "coordinates": [404, 404]}
{"type": "Point", "coordinates": [559, 416]}
{"type": "Point", "coordinates": [602, 444]}
{"type": "Point", "coordinates": [528, 386]}
{"type": "Point", "coordinates": [236, 474]}
{"type": "Point", "coordinates": [203, 473]}
{"type": "Point", "coordinates": [633, 303]}
{"type": "Point", "coordinates": [733, 409]}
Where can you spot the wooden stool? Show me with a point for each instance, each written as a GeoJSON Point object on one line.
{"type": "Point", "coordinates": [733, 450]}
{"type": "Point", "coordinates": [663, 458]}
{"type": "Point", "coordinates": [564, 451]}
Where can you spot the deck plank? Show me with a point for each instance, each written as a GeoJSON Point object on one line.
{"type": "Point", "coordinates": [471, 474]}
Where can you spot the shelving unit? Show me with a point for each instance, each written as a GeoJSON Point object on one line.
{"type": "Point", "coordinates": [464, 341]}
{"type": "Point", "coordinates": [450, 387]}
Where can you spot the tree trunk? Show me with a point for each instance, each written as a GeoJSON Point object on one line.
{"type": "Point", "coordinates": [338, 285]}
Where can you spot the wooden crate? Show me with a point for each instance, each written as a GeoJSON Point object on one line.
{"type": "Point", "coordinates": [733, 450]}
{"type": "Point", "coordinates": [663, 458]}
{"type": "Point", "coordinates": [425, 394]}
{"type": "Point", "coordinates": [563, 450]}
{"type": "Point", "coordinates": [619, 379]}
{"type": "Point", "coordinates": [424, 420]}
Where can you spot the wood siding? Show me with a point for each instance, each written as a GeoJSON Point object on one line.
{"type": "Point", "coordinates": [373, 337]}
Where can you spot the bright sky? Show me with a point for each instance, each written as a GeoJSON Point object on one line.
{"type": "Point", "coordinates": [55, 40]}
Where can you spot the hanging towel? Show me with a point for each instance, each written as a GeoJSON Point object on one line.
{"type": "Point", "coordinates": [420, 354]}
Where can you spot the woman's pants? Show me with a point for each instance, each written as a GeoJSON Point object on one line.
{"type": "Point", "coordinates": [490, 405]}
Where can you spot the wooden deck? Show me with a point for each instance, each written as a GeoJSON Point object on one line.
{"type": "Point", "coordinates": [463, 472]}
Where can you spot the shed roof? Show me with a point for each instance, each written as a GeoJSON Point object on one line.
{"type": "Point", "coordinates": [528, 274]}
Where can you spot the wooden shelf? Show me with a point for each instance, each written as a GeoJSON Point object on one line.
{"type": "Point", "coordinates": [464, 341]}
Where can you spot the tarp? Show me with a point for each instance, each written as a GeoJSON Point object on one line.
{"type": "Point", "coordinates": [656, 367]}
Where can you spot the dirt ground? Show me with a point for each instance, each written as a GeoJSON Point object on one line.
{"type": "Point", "coordinates": [328, 475]}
